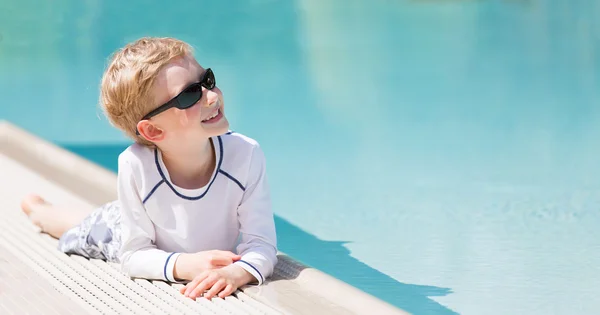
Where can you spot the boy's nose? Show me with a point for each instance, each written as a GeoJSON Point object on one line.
{"type": "Point", "coordinates": [211, 97]}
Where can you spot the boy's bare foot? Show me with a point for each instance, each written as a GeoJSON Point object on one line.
{"type": "Point", "coordinates": [32, 201]}
{"type": "Point", "coordinates": [51, 219]}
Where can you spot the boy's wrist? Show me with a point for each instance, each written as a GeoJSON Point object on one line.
{"type": "Point", "coordinates": [241, 276]}
{"type": "Point", "coordinates": [181, 270]}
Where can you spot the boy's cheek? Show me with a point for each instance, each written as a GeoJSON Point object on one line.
{"type": "Point", "coordinates": [188, 117]}
{"type": "Point", "coordinates": [193, 112]}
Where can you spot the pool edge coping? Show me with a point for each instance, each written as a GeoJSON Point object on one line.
{"type": "Point", "coordinates": [97, 184]}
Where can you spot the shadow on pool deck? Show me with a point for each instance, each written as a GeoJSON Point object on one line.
{"type": "Point", "coordinates": [330, 257]}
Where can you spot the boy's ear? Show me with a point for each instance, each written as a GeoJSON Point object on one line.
{"type": "Point", "coordinates": [149, 131]}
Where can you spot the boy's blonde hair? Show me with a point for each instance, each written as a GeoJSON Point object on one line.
{"type": "Point", "coordinates": [125, 92]}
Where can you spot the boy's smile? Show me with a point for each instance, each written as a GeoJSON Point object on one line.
{"type": "Point", "coordinates": [216, 114]}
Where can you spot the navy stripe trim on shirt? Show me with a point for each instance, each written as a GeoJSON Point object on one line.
{"type": "Point", "coordinates": [233, 179]}
{"type": "Point", "coordinates": [247, 263]}
{"type": "Point", "coordinates": [153, 190]}
{"type": "Point", "coordinates": [165, 268]}
{"type": "Point", "coordinates": [209, 184]}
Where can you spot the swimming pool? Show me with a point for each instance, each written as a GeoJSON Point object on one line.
{"type": "Point", "coordinates": [442, 155]}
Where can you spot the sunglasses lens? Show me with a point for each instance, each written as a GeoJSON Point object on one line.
{"type": "Point", "coordinates": [193, 93]}
{"type": "Point", "coordinates": [190, 96]}
{"type": "Point", "coordinates": [209, 80]}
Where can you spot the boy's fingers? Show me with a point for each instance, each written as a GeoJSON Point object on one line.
{"type": "Point", "coordinates": [216, 288]}
{"type": "Point", "coordinates": [229, 254]}
{"type": "Point", "coordinates": [223, 252]}
{"type": "Point", "coordinates": [192, 285]}
{"type": "Point", "coordinates": [227, 291]}
{"type": "Point", "coordinates": [221, 258]}
{"type": "Point", "coordinates": [225, 259]}
{"type": "Point", "coordinates": [220, 261]}
{"type": "Point", "coordinates": [203, 286]}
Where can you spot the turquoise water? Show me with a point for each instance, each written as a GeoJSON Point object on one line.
{"type": "Point", "coordinates": [442, 155]}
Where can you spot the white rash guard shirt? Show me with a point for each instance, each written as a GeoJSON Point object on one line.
{"type": "Point", "coordinates": [232, 212]}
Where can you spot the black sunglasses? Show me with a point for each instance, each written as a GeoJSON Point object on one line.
{"type": "Point", "coordinates": [189, 96]}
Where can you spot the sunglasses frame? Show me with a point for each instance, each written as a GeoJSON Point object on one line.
{"type": "Point", "coordinates": [174, 102]}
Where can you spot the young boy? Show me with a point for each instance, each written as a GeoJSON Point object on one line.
{"type": "Point", "coordinates": [189, 192]}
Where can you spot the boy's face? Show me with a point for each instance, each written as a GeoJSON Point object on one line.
{"type": "Point", "coordinates": [206, 118]}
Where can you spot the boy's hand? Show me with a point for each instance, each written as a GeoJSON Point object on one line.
{"type": "Point", "coordinates": [219, 282]}
{"type": "Point", "coordinates": [188, 266]}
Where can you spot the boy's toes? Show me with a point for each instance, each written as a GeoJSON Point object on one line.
{"type": "Point", "coordinates": [29, 202]}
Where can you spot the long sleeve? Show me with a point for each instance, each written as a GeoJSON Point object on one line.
{"type": "Point", "coordinates": [258, 245]}
{"type": "Point", "coordinates": [139, 256]}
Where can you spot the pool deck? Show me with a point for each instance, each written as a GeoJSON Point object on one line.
{"type": "Point", "coordinates": [35, 278]}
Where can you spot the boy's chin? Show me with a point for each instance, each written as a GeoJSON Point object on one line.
{"type": "Point", "coordinates": [215, 129]}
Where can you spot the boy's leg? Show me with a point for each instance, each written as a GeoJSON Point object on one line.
{"type": "Point", "coordinates": [97, 236]}
{"type": "Point", "coordinates": [51, 219]}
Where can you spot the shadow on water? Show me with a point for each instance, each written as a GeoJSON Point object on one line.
{"type": "Point", "coordinates": [331, 257]}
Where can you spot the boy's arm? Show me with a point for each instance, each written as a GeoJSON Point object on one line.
{"type": "Point", "coordinates": [139, 256]}
{"type": "Point", "coordinates": [258, 246]}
